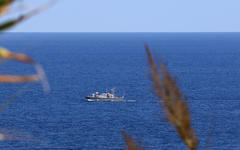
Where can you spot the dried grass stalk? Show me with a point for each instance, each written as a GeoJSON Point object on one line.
{"type": "Point", "coordinates": [131, 143]}
{"type": "Point", "coordinates": [172, 102]}
{"type": "Point", "coordinates": [12, 98]}
{"type": "Point", "coordinates": [18, 79]}
{"type": "Point", "coordinates": [6, 54]}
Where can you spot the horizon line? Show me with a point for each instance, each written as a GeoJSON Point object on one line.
{"type": "Point", "coordinates": [125, 32]}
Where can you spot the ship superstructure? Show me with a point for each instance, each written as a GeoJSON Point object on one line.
{"type": "Point", "coordinates": [108, 96]}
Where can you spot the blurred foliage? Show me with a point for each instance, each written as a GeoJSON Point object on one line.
{"type": "Point", "coordinates": [172, 102]}
{"type": "Point", "coordinates": [6, 54]}
{"type": "Point", "coordinates": [5, 5]}
{"type": "Point", "coordinates": [165, 88]}
{"type": "Point", "coordinates": [131, 143]}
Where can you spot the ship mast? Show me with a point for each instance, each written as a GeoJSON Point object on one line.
{"type": "Point", "coordinates": [113, 91]}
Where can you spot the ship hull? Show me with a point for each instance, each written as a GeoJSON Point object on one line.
{"type": "Point", "coordinates": [116, 99]}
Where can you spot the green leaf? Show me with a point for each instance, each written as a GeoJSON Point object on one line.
{"type": "Point", "coordinates": [4, 4]}
{"type": "Point", "coordinates": [10, 23]}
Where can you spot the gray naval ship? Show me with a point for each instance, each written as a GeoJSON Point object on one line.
{"type": "Point", "coordinates": [104, 97]}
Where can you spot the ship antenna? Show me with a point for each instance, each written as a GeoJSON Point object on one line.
{"type": "Point", "coordinates": [113, 91]}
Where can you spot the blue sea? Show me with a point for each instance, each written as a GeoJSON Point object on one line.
{"type": "Point", "coordinates": [206, 65]}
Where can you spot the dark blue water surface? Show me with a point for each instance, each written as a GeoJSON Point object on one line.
{"type": "Point", "coordinates": [207, 66]}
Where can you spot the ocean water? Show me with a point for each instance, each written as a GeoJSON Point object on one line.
{"type": "Point", "coordinates": [207, 67]}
